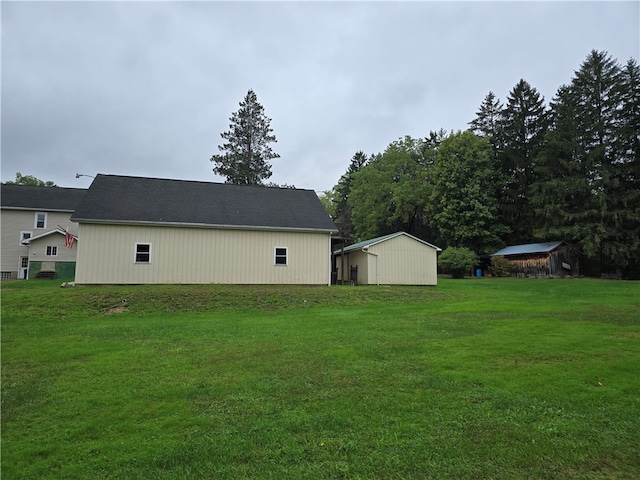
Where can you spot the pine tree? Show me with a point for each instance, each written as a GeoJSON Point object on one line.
{"type": "Point", "coordinates": [487, 118]}
{"type": "Point", "coordinates": [521, 129]}
{"type": "Point", "coordinates": [623, 245]}
{"type": "Point", "coordinates": [560, 193]}
{"type": "Point", "coordinates": [342, 191]}
{"type": "Point", "coordinates": [596, 89]}
{"type": "Point", "coordinates": [587, 190]}
{"type": "Point", "coordinates": [246, 153]}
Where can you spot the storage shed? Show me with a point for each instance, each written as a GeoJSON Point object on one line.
{"type": "Point", "coordinates": [395, 259]}
{"type": "Point", "coordinates": [540, 259]}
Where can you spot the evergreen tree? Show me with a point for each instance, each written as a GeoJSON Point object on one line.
{"type": "Point", "coordinates": [341, 193]}
{"type": "Point", "coordinates": [596, 89]}
{"type": "Point", "coordinates": [488, 116]}
{"type": "Point", "coordinates": [463, 205]}
{"type": "Point", "coordinates": [587, 191]}
{"type": "Point", "coordinates": [560, 193]}
{"type": "Point", "coordinates": [623, 247]}
{"type": "Point", "coordinates": [246, 152]}
{"type": "Point", "coordinates": [521, 130]}
{"type": "Point", "coordinates": [431, 145]}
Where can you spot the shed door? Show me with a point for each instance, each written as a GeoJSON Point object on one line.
{"type": "Point", "coordinates": [23, 270]}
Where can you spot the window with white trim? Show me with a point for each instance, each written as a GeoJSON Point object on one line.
{"type": "Point", "coordinates": [40, 220]}
{"type": "Point", "coordinates": [142, 253]}
{"type": "Point", "coordinates": [25, 236]}
{"type": "Point", "coordinates": [52, 251]}
{"type": "Point", "coordinates": [280, 256]}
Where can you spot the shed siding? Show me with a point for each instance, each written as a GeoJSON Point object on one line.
{"type": "Point", "coordinates": [354, 259]}
{"type": "Point", "coordinates": [200, 255]}
{"type": "Point", "coordinates": [400, 260]}
{"type": "Point", "coordinates": [403, 261]}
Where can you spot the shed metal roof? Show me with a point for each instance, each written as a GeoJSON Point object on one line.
{"type": "Point", "coordinates": [118, 199]}
{"type": "Point", "coordinates": [48, 199]}
{"type": "Point", "coordinates": [373, 241]}
{"type": "Point", "coordinates": [529, 248]}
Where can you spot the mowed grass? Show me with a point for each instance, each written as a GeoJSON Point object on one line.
{"type": "Point", "coordinates": [473, 379]}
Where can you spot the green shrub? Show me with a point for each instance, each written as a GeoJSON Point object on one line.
{"type": "Point", "coordinates": [457, 261]}
{"type": "Point", "coordinates": [500, 267]}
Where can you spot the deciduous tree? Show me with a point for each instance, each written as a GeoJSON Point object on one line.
{"type": "Point", "coordinates": [30, 180]}
{"type": "Point", "coordinates": [391, 192]}
{"type": "Point", "coordinates": [463, 206]}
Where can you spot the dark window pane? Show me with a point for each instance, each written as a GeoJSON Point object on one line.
{"type": "Point", "coordinates": [143, 253]}
{"type": "Point", "coordinates": [281, 256]}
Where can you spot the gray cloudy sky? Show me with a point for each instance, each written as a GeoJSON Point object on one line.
{"type": "Point", "coordinates": [146, 88]}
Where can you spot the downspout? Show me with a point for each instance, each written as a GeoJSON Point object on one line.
{"type": "Point", "coordinates": [366, 250]}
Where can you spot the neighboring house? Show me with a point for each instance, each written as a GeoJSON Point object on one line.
{"type": "Point", "coordinates": [52, 254]}
{"type": "Point", "coordinates": [540, 259]}
{"type": "Point", "coordinates": [395, 259]}
{"type": "Point", "coordinates": [29, 212]}
{"type": "Point", "coordinates": [136, 230]}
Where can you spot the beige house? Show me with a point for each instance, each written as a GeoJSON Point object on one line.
{"type": "Point", "coordinates": [395, 259]}
{"type": "Point", "coordinates": [30, 212]}
{"type": "Point", "coordinates": [51, 255]}
{"type": "Point", "coordinates": [137, 230]}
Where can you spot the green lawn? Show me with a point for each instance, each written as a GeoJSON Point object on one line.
{"type": "Point", "coordinates": [473, 379]}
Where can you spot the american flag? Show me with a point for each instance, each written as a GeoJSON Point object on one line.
{"type": "Point", "coordinates": [68, 240]}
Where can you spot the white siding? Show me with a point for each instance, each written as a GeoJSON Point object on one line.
{"type": "Point", "coordinates": [200, 255]}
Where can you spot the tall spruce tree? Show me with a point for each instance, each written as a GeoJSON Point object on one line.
{"type": "Point", "coordinates": [560, 193]}
{"type": "Point", "coordinates": [597, 93]}
{"type": "Point", "coordinates": [488, 116]}
{"type": "Point", "coordinates": [623, 247]}
{"type": "Point", "coordinates": [520, 129]}
{"type": "Point", "coordinates": [586, 192]}
{"type": "Point", "coordinates": [246, 152]}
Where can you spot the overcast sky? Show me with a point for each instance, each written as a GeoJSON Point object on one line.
{"type": "Point", "coordinates": [146, 88]}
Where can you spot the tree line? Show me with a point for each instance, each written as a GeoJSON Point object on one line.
{"type": "Point", "coordinates": [523, 172]}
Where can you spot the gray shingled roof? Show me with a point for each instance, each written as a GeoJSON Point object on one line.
{"type": "Point", "coordinates": [527, 249]}
{"type": "Point", "coordinates": [139, 200]}
{"type": "Point", "coordinates": [373, 241]}
{"type": "Point", "coordinates": [27, 197]}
